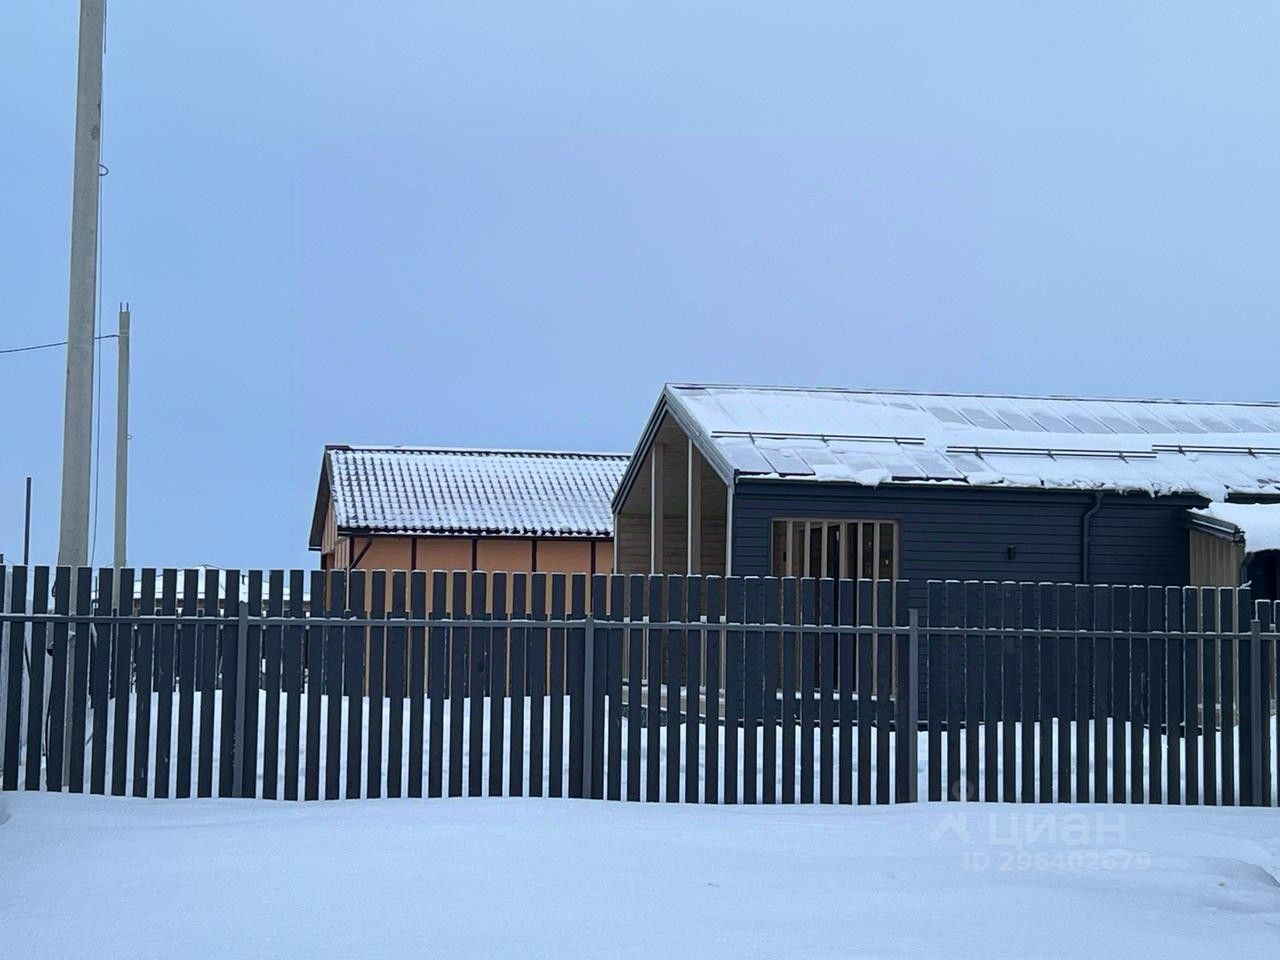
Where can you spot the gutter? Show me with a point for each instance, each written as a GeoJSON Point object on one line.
{"type": "Point", "coordinates": [1086, 523]}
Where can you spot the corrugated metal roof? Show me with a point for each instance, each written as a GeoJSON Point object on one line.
{"type": "Point", "coordinates": [477, 492]}
{"type": "Point", "coordinates": [872, 437]}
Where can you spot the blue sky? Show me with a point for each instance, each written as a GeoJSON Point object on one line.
{"type": "Point", "coordinates": [506, 224]}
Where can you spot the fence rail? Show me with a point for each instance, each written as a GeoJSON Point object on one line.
{"type": "Point", "coordinates": [694, 689]}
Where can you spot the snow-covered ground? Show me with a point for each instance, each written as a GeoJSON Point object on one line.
{"type": "Point", "coordinates": [108, 877]}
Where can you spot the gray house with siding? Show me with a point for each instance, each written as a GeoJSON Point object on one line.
{"type": "Point", "coordinates": [760, 481]}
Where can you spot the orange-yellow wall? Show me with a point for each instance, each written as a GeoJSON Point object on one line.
{"type": "Point", "coordinates": [492, 554]}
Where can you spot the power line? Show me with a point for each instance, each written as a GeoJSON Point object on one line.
{"type": "Point", "coordinates": [56, 343]}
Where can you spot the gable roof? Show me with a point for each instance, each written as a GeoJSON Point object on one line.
{"type": "Point", "coordinates": [870, 437]}
{"type": "Point", "coordinates": [442, 491]}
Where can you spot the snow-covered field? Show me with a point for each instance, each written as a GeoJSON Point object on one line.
{"type": "Point", "coordinates": [107, 877]}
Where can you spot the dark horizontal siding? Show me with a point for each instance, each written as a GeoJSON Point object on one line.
{"type": "Point", "coordinates": [965, 534]}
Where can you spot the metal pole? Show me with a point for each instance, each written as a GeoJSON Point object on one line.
{"type": "Point", "coordinates": [26, 527]}
{"type": "Point", "coordinates": [122, 440]}
{"type": "Point", "coordinates": [77, 434]}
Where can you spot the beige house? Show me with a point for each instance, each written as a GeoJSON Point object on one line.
{"type": "Point", "coordinates": [429, 508]}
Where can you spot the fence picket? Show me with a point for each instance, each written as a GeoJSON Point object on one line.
{"type": "Point", "coordinates": [35, 691]}
{"type": "Point", "coordinates": [354, 682]}
{"type": "Point", "coordinates": [555, 751]}
{"type": "Point", "coordinates": [617, 607]}
{"type": "Point", "coordinates": [846, 645]}
{"type": "Point", "coordinates": [635, 681]}
{"type": "Point", "coordinates": [1029, 694]}
{"type": "Point", "coordinates": [1011, 675]}
{"type": "Point", "coordinates": [884, 689]}
{"type": "Point", "coordinates": [80, 676]}
{"type": "Point", "coordinates": [653, 691]}
{"type": "Point", "coordinates": [519, 648]}
{"type": "Point", "coordinates": [772, 655]}
{"type": "Point", "coordinates": [935, 684]}
{"type": "Point", "coordinates": [294, 638]}
{"type": "Point", "coordinates": [1191, 691]}
{"type": "Point", "coordinates": [674, 674]}
{"type": "Point", "coordinates": [1121, 651]}
{"type": "Point", "coordinates": [906, 700]}
{"type": "Point", "coordinates": [1209, 680]}
{"type": "Point", "coordinates": [714, 612]}
{"type": "Point", "coordinates": [16, 655]}
{"type": "Point", "coordinates": [1102, 671]}
{"type": "Point", "coordinates": [693, 681]}
{"type": "Point", "coordinates": [13, 675]}
{"type": "Point", "coordinates": [316, 644]}
{"type": "Point", "coordinates": [808, 685]}
{"type": "Point", "coordinates": [497, 686]}
{"type": "Point", "coordinates": [538, 665]}
{"type": "Point", "coordinates": [1227, 693]}
{"type": "Point", "coordinates": [1157, 651]}
{"type": "Point", "coordinates": [992, 615]}
{"type": "Point", "coordinates": [429, 672]}
{"type": "Point", "coordinates": [790, 661]}
{"type": "Point", "coordinates": [954, 613]}
{"type": "Point", "coordinates": [753, 689]}
{"type": "Point", "coordinates": [458, 651]}
{"type": "Point", "coordinates": [826, 701]}
{"type": "Point", "coordinates": [162, 651]}
{"type": "Point", "coordinates": [1066, 644]}
{"type": "Point", "coordinates": [1174, 695]}
{"type": "Point", "coordinates": [973, 657]}
{"type": "Point", "coordinates": [143, 686]}
{"type": "Point", "coordinates": [375, 681]}
{"type": "Point", "coordinates": [333, 684]}
{"type": "Point", "coordinates": [599, 674]}
{"type": "Point", "coordinates": [1139, 702]}
{"type": "Point", "coordinates": [575, 663]}
{"type": "Point", "coordinates": [733, 686]}
{"type": "Point", "coordinates": [1047, 609]}
{"type": "Point", "coordinates": [207, 667]}
{"type": "Point", "coordinates": [477, 684]}
{"type": "Point", "coordinates": [1083, 710]}
{"type": "Point", "coordinates": [99, 677]}
{"type": "Point", "coordinates": [187, 680]}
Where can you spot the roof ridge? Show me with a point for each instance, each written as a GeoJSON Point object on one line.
{"type": "Point", "coordinates": [476, 451]}
{"type": "Point", "coordinates": [792, 388]}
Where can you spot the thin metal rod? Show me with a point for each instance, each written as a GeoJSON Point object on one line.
{"type": "Point", "coordinates": [26, 526]}
{"type": "Point", "coordinates": [567, 624]}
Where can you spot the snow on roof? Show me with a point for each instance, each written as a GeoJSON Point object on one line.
{"type": "Point", "coordinates": [872, 437]}
{"type": "Point", "coordinates": [1259, 522]}
{"type": "Point", "coordinates": [474, 492]}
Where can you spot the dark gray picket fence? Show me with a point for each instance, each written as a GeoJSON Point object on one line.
{"type": "Point", "coordinates": [695, 689]}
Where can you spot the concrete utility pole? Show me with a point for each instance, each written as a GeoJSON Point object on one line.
{"type": "Point", "coordinates": [77, 433]}
{"type": "Point", "coordinates": [122, 439]}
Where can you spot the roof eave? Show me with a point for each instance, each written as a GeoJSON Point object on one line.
{"type": "Point", "coordinates": [323, 498]}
